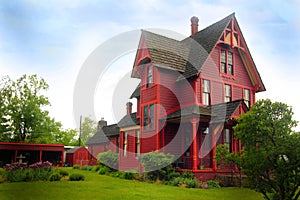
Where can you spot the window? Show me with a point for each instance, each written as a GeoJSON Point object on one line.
{"type": "Point", "coordinates": [206, 92]}
{"type": "Point", "coordinates": [149, 76]}
{"type": "Point", "coordinates": [226, 62]}
{"type": "Point", "coordinates": [230, 63]}
{"type": "Point", "coordinates": [227, 93]}
{"type": "Point", "coordinates": [137, 143]}
{"type": "Point", "coordinates": [247, 97]}
{"type": "Point", "coordinates": [146, 121]}
{"type": "Point", "coordinates": [125, 143]}
{"type": "Point", "coordinates": [227, 138]}
{"type": "Point", "coordinates": [187, 142]}
{"type": "Point", "coordinates": [223, 62]}
{"type": "Point", "coordinates": [149, 117]}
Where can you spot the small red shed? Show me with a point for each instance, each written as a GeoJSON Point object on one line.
{"type": "Point", "coordinates": [79, 156]}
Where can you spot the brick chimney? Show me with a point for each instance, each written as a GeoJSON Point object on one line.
{"type": "Point", "coordinates": [194, 25]}
{"type": "Point", "coordinates": [102, 123]}
{"type": "Point", "coordinates": [129, 108]}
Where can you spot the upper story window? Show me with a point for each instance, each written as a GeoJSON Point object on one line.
{"type": "Point", "coordinates": [247, 97]}
{"type": "Point", "coordinates": [206, 92]}
{"type": "Point", "coordinates": [125, 143]}
{"type": "Point", "coordinates": [149, 76]}
{"type": "Point", "coordinates": [149, 117]}
{"type": "Point", "coordinates": [227, 92]}
{"type": "Point", "coordinates": [137, 143]}
{"type": "Point", "coordinates": [226, 62]}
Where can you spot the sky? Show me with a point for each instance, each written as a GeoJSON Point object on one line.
{"type": "Point", "coordinates": [55, 38]}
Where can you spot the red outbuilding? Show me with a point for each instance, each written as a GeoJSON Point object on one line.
{"type": "Point", "coordinates": [79, 156]}
{"type": "Point", "coordinates": [30, 153]}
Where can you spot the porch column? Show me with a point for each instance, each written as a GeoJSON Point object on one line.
{"type": "Point", "coordinates": [214, 163]}
{"type": "Point", "coordinates": [195, 150]}
{"type": "Point", "coordinates": [15, 157]}
{"type": "Point", "coordinates": [41, 155]}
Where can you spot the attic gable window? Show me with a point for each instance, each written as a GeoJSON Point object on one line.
{"type": "Point", "coordinates": [226, 62]}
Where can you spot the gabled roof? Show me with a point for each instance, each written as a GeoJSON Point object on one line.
{"type": "Point", "coordinates": [103, 134]}
{"type": "Point", "coordinates": [129, 121]}
{"type": "Point", "coordinates": [136, 92]}
{"type": "Point", "coordinates": [73, 150]}
{"type": "Point", "coordinates": [218, 112]}
{"type": "Point", "coordinates": [206, 38]}
{"type": "Point", "coordinates": [188, 56]}
{"type": "Point", "coordinates": [166, 52]}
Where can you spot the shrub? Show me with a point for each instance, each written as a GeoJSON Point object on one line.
{"type": "Point", "coordinates": [18, 172]}
{"type": "Point", "coordinates": [76, 177]}
{"type": "Point", "coordinates": [76, 167]}
{"type": "Point", "coordinates": [129, 175]}
{"type": "Point", "coordinates": [184, 182]}
{"type": "Point", "coordinates": [96, 168]}
{"type": "Point", "coordinates": [188, 175]}
{"type": "Point", "coordinates": [104, 170]}
{"type": "Point", "coordinates": [109, 159]}
{"type": "Point", "coordinates": [173, 175]}
{"type": "Point", "coordinates": [118, 174]}
{"type": "Point", "coordinates": [213, 184]}
{"type": "Point", "coordinates": [84, 167]}
{"type": "Point", "coordinates": [55, 177]}
{"type": "Point", "coordinates": [157, 165]}
{"type": "Point", "coordinates": [90, 168]}
{"type": "Point", "coordinates": [63, 173]}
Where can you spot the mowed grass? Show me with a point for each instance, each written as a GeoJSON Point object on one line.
{"type": "Point", "coordinates": [104, 187]}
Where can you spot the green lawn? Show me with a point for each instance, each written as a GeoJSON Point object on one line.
{"type": "Point", "coordinates": [104, 187]}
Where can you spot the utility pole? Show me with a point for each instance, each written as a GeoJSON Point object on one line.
{"type": "Point", "coordinates": [79, 140]}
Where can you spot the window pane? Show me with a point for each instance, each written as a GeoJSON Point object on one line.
{"type": "Point", "coordinates": [206, 99]}
{"type": "Point", "coordinates": [206, 86]}
{"type": "Point", "coordinates": [145, 117]}
{"type": "Point", "coordinates": [151, 116]}
{"type": "Point", "coordinates": [227, 139]}
{"type": "Point", "coordinates": [223, 68]}
{"type": "Point", "coordinates": [227, 93]}
{"type": "Point", "coordinates": [223, 56]}
{"type": "Point", "coordinates": [137, 147]}
{"type": "Point", "coordinates": [149, 76]}
{"type": "Point", "coordinates": [230, 58]}
{"type": "Point", "coordinates": [230, 69]}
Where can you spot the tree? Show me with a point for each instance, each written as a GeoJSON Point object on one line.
{"type": "Point", "coordinates": [88, 129]}
{"type": "Point", "coordinates": [271, 150]}
{"type": "Point", "coordinates": [22, 114]}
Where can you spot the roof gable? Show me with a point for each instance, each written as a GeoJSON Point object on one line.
{"type": "Point", "coordinates": [189, 55]}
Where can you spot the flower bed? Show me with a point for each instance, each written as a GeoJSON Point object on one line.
{"type": "Point", "coordinates": [18, 172]}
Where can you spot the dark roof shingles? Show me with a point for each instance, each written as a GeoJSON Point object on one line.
{"type": "Point", "coordinates": [102, 135]}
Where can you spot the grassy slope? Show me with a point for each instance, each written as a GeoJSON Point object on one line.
{"type": "Point", "coordinates": [103, 187]}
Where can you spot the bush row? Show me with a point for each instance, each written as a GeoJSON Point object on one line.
{"type": "Point", "coordinates": [41, 171]}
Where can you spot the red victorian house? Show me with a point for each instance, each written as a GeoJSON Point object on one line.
{"type": "Point", "coordinates": [189, 95]}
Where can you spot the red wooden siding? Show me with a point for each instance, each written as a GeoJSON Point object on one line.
{"type": "Point", "coordinates": [238, 82]}
{"type": "Point", "coordinates": [148, 94]}
{"type": "Point", "coordinates": [167, 90]}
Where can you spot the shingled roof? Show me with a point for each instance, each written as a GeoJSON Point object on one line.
{"type": "Point", "coordinates": [186, 56]}
{"type": "Point", "coordinates": [207, 39]}
{"type": "Point", "coordinates": [218, 112]}
{"type": "Point", "coordinates": [103, 134]}
{"type": "Point", "coordinates": [129, 120]}
{"type": "Point", "coordinates": [166, 52]}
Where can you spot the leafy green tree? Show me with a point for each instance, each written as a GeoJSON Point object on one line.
{"type": "Point", "coordinates": [271, 150]}
{"type": "Point", "coordinates": [88, 129]}
{"type": "Point", "coordinates": [23, 117]}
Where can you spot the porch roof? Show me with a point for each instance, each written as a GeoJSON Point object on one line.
{"type": "Point", "coordinates": [217, 113]}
